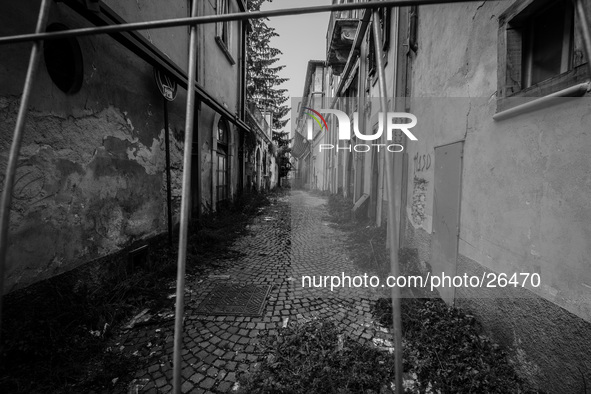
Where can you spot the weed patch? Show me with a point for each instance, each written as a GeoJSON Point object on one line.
{"type": "Point", "coordinates": [339, 208]}
{"type": "Point", "coordinates": [314, 358]}
{"type": "Point", "coordinates": [446, 349]}
{"type": "Point", "coordinates": [56, 333]}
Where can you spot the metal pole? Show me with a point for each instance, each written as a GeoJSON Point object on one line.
{"type": "Point", "coordinates": [238, 16]}
{"type": "Point", "coordinates": [185, 204]}
{"type": "Point", "coordinates": [394, 268]}
{"type": "Point", "coordinates": [17, 138]}
{"type": "Point", "coordinates": [168, 187]}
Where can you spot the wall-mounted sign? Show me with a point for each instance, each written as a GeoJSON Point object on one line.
{"type": "Point", "coordinates": [165, 84]}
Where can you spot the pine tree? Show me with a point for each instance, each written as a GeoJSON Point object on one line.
{"type": "Point", "coordinates": [262, 82]}
{"type": "Point", "coordinates": [262, 71]}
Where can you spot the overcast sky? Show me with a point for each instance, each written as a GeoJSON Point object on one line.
{"type": "Point", "coordinates": [301, 38]}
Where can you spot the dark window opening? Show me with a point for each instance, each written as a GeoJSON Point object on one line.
{"type": "Point", "coordinates": [547, 44]}
{"type": "Point", "coordinates": [540, 50]}
{"type": "Point", "coordinates": [223, 27]}
{"type": "Point", "coordinates": [63, 59]}
{"type": "Point", "coordinates": [222, 161]}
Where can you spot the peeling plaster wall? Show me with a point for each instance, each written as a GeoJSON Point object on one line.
{"type": "Point", "coordinates": [525, 194]}
{"type": "Point", "coordinates": [90, 179]}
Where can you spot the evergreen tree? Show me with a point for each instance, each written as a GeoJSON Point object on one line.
{"type": "Point", "coordinates": [263, 81]}
{"type": "Point", "coordinates": [262, 72]}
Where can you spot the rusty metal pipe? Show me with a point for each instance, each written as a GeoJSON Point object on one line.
{"type": "Point", "coordinates": [394, 267]}
{"type": "Point", "coordinates": [17, 138]}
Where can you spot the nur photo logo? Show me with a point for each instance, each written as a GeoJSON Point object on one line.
{"type": "Point", "coordinates": [393, 121]}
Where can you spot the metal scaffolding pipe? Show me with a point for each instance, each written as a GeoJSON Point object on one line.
{"type": "Point", "coordinates": [394, 268]}
{"type": "Point", "coordinates": [17, 138]}
{"type": "Point", "coordinates": [238, 16]}
{"type": "Point", "coordinates": [185, 205]}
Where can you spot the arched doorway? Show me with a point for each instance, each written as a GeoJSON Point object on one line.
{"type": "Point", "coordinates": [223, 165]}
{"type": "Point", "coordinates": [257, 170]}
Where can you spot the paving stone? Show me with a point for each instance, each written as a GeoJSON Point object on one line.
{"type": "Point", "coordinates": [197, 377]}
{"type": "Point", "coordinates": [160, 382]}
{"type": "Point", "coordinates": [297, 243]}
{"type": "Point", "coordinates": [207, 383]}
{"type": "Point", "coordinates": [212, 372]}
{"type": "Point", "coordinates": [231, 377]}
{"type": "Point", "coordinates": [186, 387]}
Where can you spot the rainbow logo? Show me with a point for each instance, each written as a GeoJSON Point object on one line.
{"type": "Point", "coordinates": [316, 119]}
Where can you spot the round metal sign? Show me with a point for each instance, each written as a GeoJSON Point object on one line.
{"type": "Point", "coordinates": [165, 84]}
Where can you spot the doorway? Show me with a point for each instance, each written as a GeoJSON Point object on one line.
{"type": "Point", "coordinates": [446, 213]}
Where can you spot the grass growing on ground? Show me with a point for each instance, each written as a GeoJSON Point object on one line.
{"type": "Point", "coordinates": [446, 349]}
{"type": "Point", "coordinates": [55, 332]}
{"type": "Point", "coordinates": [314, 358]}
{"type": "Point", "coordinates": [339, 208]}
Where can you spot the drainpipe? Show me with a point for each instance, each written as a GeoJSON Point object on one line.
{"type": "Point", "coordinates": [168, 187]}
{"type": "Point", "coordinates": [394, 267]}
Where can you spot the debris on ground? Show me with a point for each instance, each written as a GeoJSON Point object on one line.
{"type": "Point", "coordinates": [141, 317]}
{"type": "Point", "coordinates": [136, 385]}
{"type": "Point", "coordinates": [219, 277]}
{"type": "Point", "coordinates": [315, 357]}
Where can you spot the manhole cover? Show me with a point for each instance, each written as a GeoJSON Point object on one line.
{"type": "Point", "coordinates": [233, 299]}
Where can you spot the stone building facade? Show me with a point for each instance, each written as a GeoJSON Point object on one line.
{"type": "Point", "coordinates": [91, 178]}
{"type": "Point", "coordinates": [498, 180]}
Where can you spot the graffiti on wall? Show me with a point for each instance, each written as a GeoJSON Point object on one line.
{"type": "Point", "coordinates": [29, 181]}
{"type": "Point", "coordinates": [422, 162]}
{"type": "Point", "coordinates": [419, 197]}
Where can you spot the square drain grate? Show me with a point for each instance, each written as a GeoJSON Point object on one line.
{"type": "Point", "coordinates": [234, 299]}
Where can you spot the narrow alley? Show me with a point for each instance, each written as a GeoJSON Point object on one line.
{"type": "Point", "coordinates": [322, 196]}
{"type": "Point", "coordinates": [290, 238]}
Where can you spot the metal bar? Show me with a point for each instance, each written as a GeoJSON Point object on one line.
{"type": "Point", "coordinates": [238, 16]}
{"type": "Point", "coordinates": [540, 102]}
{"type": "Point", "coordinates": [168, 187]}
{"type": "Point", "coordinates": [17, 138]}
{"type": "Point", "coordinates": [584, 13]}
{"type": "Point", "coordinates": [185, 204]}
{"type": "Point", "coordinates": [394, 268]}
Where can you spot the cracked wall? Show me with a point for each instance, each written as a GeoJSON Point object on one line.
{"type": "Point", "coordinates": [90, 178]}
{"type": "Point", "coordinates": [524, 195]}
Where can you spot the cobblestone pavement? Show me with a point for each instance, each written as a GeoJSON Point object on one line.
{"type": "Point", "coordinates": [287, 240]}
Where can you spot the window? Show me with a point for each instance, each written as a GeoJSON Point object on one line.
{"type": "Point", "coordinates": [349, 14]}
{"type": "Point", "coordinates": [63, 60]}
{"type": "Point", "coordinates": [540, 51]}
{"type": "Point", "coordinates": [547, 39]}
{"type": "Point", "coordinates": [223, 30]}
{"type": "Point", "coordinates": [222, 158]}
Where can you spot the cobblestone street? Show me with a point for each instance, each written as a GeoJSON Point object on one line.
{"type": "Point", "coordinates": [288, 239]}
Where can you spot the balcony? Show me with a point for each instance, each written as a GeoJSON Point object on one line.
{"type": "Point", "coordinates": [342, 28]}
{"type": "Point", "coordinates": [258, 119]}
